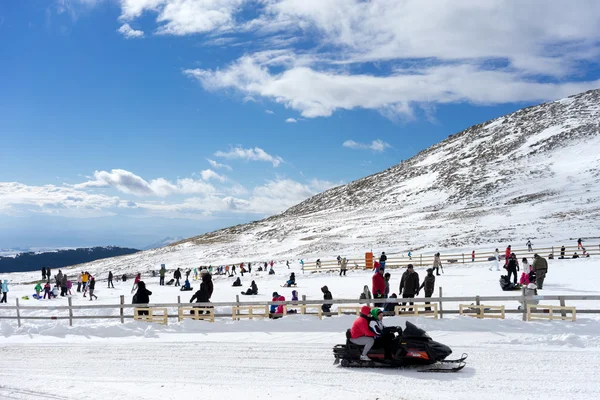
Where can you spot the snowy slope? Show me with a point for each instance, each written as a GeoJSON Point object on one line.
{"type": "Point", "coordinates": [165, 242]}
{"type": "Point", "coordinates": [532, 174]}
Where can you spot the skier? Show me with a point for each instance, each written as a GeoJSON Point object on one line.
{"type": "Point", "coordinates": [529, 246]}
{"type": "Point", "coordinates": [437, 263]}
{"type": "Point", "coordinates": [540, 268]}
{"type": "Point", "coordinates": [177, 276]}
{"type": "Point", "coordinates": [142, 296]}
{"type": "Point", "coordinates": [92, 287]}
{"type": "Point", "coordinates": [110, 280]}
{"type": "Point", "coordinates": [343, 266]}
{"type": "Point", "coordinates": [409, 284]}
{"type": "Point", "coordinates": [382, 260]}
{"type": "Point", "coordinates": [326, 296]}
{"type": "Point", "coordinates": [378, 285]}
{"type": "Point", "coordinates": [4, 291]}
{"type": "Point", "coordinates": [429, 285]}
{"type": "Point", "coordinates": [512, 266]}
{"type": "Point", "coordinates": [361, 334]}
{"type": "Point", "coordinates": [253, 290]}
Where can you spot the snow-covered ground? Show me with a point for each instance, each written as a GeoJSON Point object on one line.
{"type": "Point", "coordinates": [291, 357]}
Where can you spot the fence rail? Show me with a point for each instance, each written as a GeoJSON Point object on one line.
{"type": "Point", "coordinates": [304, 303]}
{"type": "Point", "coordinates": [422, 260]}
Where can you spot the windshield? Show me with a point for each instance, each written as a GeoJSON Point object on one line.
{"type": "Point", "coordinates": [414, 331]}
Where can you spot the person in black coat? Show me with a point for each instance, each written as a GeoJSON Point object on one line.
{"type": "Point", "coordinates": [201, 296]}
{"type": "Point", "coordinates": [177, 276]}
{"type": "Point", "coordinates": [237, 282]}
{"type": "Point", "coordinates": [43, 273]}
{"type": "Point", "coordinates": [409, 284]}
{"type": "Point", "coordinates": [207, 281]}
{"type": "Point", "coordinates": [326, 296]}
{"type": "Point", "coordinates": [110, 280]}
{"type": "Point", "coordinates": [513, 266]}
{"type": "Point", "coordinates": [253, 290]}
{"type": "Point", "coordinates": [142, 296]}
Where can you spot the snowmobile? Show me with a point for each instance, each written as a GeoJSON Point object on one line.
{"type": "Point", "coordinates": [412, 347]}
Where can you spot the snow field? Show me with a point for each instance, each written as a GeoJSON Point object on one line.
{"type": "Point", "coordinates": [292, 357]}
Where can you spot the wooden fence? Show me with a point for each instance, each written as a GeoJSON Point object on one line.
{"type": "Point", "coordinates": [426, 260]}
{"type": "Point", "coordinates": [470, 304]}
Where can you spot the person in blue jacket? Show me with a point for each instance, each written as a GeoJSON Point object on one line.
{"type": "Point", "coordinates": [4, 291]}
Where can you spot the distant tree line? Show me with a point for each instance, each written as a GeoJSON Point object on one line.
{"type": "Point", "coordinates": [60, 258]}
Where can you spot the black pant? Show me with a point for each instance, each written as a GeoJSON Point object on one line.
{"type": "Point", "coordinates": [437, 270]}
{"type": "Point", "coordinates": [408, 296]}
{"type": "Point", "coordinates": [79, 286]}
{"type": "Point", "coordinates": [177, 282]}
{"type": "Point", "coordinates": [3, 298]}
{"type": "Point", "coordinates": [378, 296]}
{"type": "Point", "coordinates": [385, 341]}
{"type": "Point", "coordinates": [342, 272]}
{"type": "Point", "coordinates": [512, 271]}
{"type": "Point", "coordinates": [162, 281]}
{"type": "Point", "coordinates": [63, 291]}
{"type": "Point", "coordinates": [110, 283]}
{"type": "Point", "coordinates": [428, 294]}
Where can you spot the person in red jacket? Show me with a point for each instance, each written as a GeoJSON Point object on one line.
{"type": "Point", "coordinates": [378, 287]}
{"type": "Point", "coordinates": [507, 254]}
{"type": "Point", "coordinates": [361, 333]}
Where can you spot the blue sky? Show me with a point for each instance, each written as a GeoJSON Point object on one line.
{"type": "Point", "coordinates": [125, 121]}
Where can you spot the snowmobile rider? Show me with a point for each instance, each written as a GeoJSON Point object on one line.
{"type": "Point", "coordinates": [362, 334]}
{"type": "Point", "coordinates": [384, 338]}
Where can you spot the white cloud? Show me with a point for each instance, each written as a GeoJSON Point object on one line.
{"type": "Point", "coordinates": [127, 182]}
{"type": "Point", "coordinates": [209, 174]}
{"type": "Point", "coordinates": [377, 145]}
{"type": "Point", "coordinates": [217, 165]}
{"type": "Point", "coordinates": [255, 154]}
{"type": "Point", "coordinates": [291, 120]}
{"type": "Point", "coordinates": [129, 32]}
{"type": "Point", "coordinates": [269, 112]}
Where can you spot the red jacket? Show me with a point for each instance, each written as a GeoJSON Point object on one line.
{"type": "Point", "coordinates": [360, 328]}
{"type": "Point", "coordinates": [279, 307]}
{"type": "Point", "coordinates": [378, 284]}
{"type": "Point", "coordinates": [507, 254]}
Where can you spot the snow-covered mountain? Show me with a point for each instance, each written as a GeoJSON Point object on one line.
{"type": "Point", "coordinates": [165, 242]}
{"type": "Point", "coordinates": [533, 174]}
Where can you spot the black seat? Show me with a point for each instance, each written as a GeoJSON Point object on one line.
{"type": "Point", "coordinates": [348, 334]}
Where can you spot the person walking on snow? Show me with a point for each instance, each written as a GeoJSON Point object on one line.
{"type": "Point", "coordinates": [579, 246]}
{"type": "Point", "coordinates": [496, 260]}
{"type": "Point", "coordinates": [92, 288]}
{"type": "Point", "coordinates": [43, 273]}
{"type": "Point", "coordinates": [378, 285]}
{"type": "Point", "coordinates": [162, 273]}
{"type": "Point", "coordinates": [409, 284]}
{"type": "Point", "coordinates": [507, 254]}
{"type": "Point", "coordinates": [540, 268]}
{"type": "Point", "coordinates": [429, 285]}
{"type": "Point", "coordinates": [437, 263]}
{"type": "Point", "coordinates": [382, 260]}
{"type": "Point", "coordinates": [137, 280]}
{"type": "Point", "coordinates": [4, 291]}
{"type": "Point", "coordinates": [79, 282]}
{"type": "Point", "coordinates": [110, 280]}
{"type": "Point", "coordinates": [177, 276]}
{"type": "Point", "coordinates": [529, 246]}
{"type": "Point", "coordinates": [343, 266]}
{"type": "Point", "coordinates": [512, 267]}
{"type": "Point", "coordinates": [473, 256]}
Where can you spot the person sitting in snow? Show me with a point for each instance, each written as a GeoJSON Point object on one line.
{"type": "Point", "coordinates": [291, 281]}
{"type": "Point", "coordinates": [253, 290]}
{"type": "Point", "coordinates": [186, 286]}
{"type": "Point", "coordinates": [237, 282]}
{"type": "Point", "coordinates": [271, 271]}
{"type": "Point", "coordinates": [276, 311]}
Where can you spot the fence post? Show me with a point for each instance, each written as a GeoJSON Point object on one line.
{"type": "Point", "coordinates": [441, 308]}
{"type": "Point", "coordinates": [563, 314]}
{"type": "Point", "coordinates": [463, 258]}
{"type": "Point", "coordinates": [421, 260]}
{"type": "Point", "coordinates": [303, 306]}
{"type": "Point", "coordinates": [524, 302]}
{"type": "Point", "coordinates": [70, 312]}
{"type": "Point", "coordinates": [178, 307]}
{"type": "Point", "coordinates": [480, 312]}
{"type": "Point", "coordinates": [18, 313]}
{"type": "Point", "coordinates": [121, 310]}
